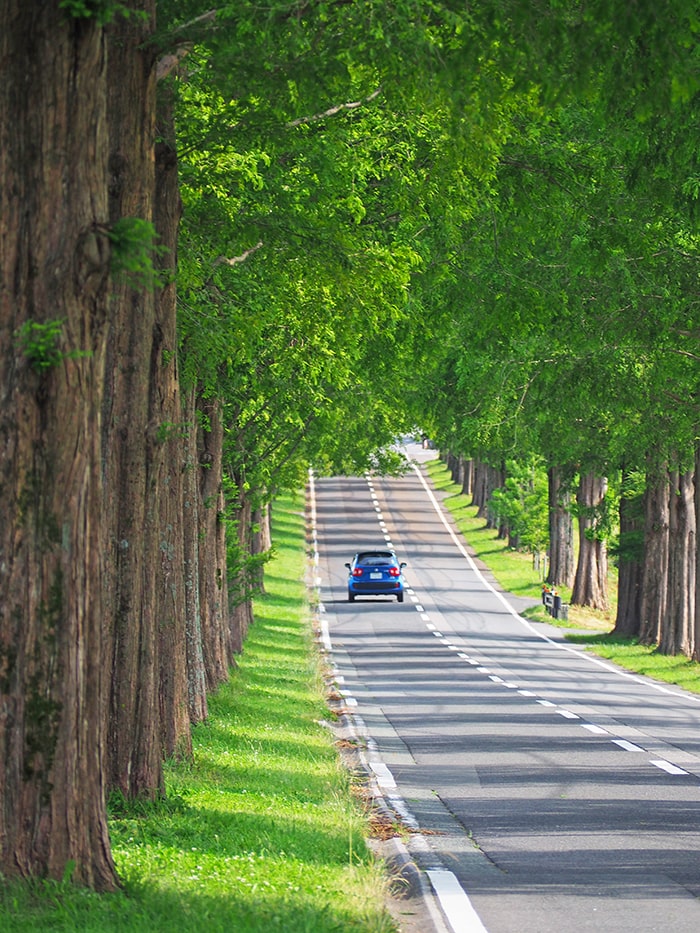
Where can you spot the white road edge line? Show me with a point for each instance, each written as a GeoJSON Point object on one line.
{"type": "Point", "coordinates": [385, 778]}
{"type": "Point", "coordinates": [455, 902]}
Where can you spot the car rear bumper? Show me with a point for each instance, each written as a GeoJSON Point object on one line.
{"type": "Point", "coordinates": [390, 586]}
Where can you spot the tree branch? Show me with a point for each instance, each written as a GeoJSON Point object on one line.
{"type": "Point", "coordinates": [171, 60]}
{"type": "Point", "coordinates": [234, 260]}
{"type": "Point", "coordinates": [168, 63]}
{"type": "Point", "coordinates": [331, 112]}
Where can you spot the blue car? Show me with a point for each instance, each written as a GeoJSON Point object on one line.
{"type": "Point", "coordinates": [375, 573]}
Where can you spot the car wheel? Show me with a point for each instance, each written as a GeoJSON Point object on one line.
{"type": "Point", "coordinates": [399, 597]}
{"type": "Point", "coordinates": [351, 597]}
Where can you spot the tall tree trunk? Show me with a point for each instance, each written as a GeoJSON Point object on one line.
{"type": "Point", "coordinates": [630, 565]}
{"type": "Point", "coordinates": [53, 302]}
{"type": "Point", "coordinates": [453, 465]}
{"type": "Point", "coordinates": [696, 651]}
{"type": "Point", "coordinates": [590, 584]}
{"type": "Point", "coordinates": [496, 479]}
{"type": "Point", "coordinates": [266, 528]}
{"type": "Point", "coordinates": [257, 547]}
{"type": "Point", "coordinates": [166, 411]}
{"type": "Point", "coordinates": [656, 555]}
{"type": "Point", "coordinates": [241, 583]}
{"type": "Point", "coordinates": [196, 677]}
{"type": "Point", "coordinates": [677, 635]}
{"type": "Point", "coordinates": [486, 479]}
{"type": "Point", "coordinates": [480, 493]}
{"type": "Point", "coordinates": [212, 551]}
{"type": "Point", "coordinates": [562, 567]}
{"type": "Point", "coordinates": [467, 477]}
{"type": "Point", "coordinates": [133, 453]}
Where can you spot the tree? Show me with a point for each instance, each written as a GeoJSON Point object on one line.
{"type": "Point", "coordinates": [54, 294]}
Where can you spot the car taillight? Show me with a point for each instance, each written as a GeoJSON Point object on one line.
{"type": "Point", "coordinates": [357, 572]}
{"type": "Point", "coordinates": [394, 572]}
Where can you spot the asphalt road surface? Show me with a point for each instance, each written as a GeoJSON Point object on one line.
{"type": "Point", "coordinates": [561, 792]}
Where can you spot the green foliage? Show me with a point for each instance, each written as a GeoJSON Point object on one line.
{"type": "Point", "coordinates": [480, 221]}
{"type": "Point", "coordinates": [134, 246]}
{"type": "Point", "coordinates": [522, 504]}
{"type": "Point", "coordinates": [40, 342]}
{"type": "Point", "coordinates": [103, 11]}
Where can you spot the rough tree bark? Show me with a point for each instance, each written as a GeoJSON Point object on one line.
{"type": "Point", "coordinates": [696, 623]}
{"type": "Point", "coordinates": [452, 465]}
{"type": "Point", "coordinates": [243, 582]}
{"type": "Point", "coordinates": [467, 476]}
{"type": "Point", "coordinates": [630, 566]}
{"type": "Point", "coordinates": [166, 411]}
{"type": "Point", "coordinates": [133, 451]}
{"type": "Point", "coordinates": [656, 555]}
{"type": "Point", "coordinates": [196, 677]}
{"type": "Point", "coordinates": [486, 479]}
{"type": "Point", "coordinates": [480, 492]}
{"type": "Point", "coordinates": [53, 301]}
{"type": "Point", "coordinates": [590, 583]}
{"type": "Point", "coordinates": [213, 593]}
{"type": "Point", "coordinates": [562, 565]}
{"type": "Point", "coordinates": [678, 631]}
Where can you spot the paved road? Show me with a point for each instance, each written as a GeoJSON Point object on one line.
{"type": "Point", "coordinates": [563, 793]}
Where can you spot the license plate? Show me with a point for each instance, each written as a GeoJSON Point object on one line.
{"type": "Point", "coordinates": [375, 576]}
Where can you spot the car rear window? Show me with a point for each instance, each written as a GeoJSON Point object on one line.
{"type": "Point", "coordinates": [375, 560]}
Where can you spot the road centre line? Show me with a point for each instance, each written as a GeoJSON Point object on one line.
{"type": "Point", "coordinates": [664, 765]}
{"type": "Point", "coordinates": [667, 766]}
{"type": "Point", "coordinates": [628, 746]}
{"type": "Point", "coordinates": [453, 899]}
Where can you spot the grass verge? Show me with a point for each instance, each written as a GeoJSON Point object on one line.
{"type": "Point", "coordinates": [515, 574]}
{"type": "Point", "coordinates": [262, 831]}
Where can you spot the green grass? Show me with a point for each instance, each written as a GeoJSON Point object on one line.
{"type": "Point", "coordinates": [515, 573]}
{"type": "Point", "coordinates": [644, 659]}
{"type": "Point", "coordinates": [261, 832]}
